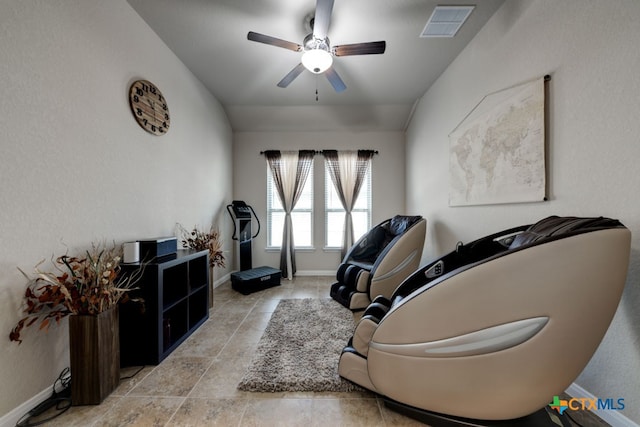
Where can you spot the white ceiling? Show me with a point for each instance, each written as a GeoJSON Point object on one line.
{"type": "Point", "coordinates": [210, 37]}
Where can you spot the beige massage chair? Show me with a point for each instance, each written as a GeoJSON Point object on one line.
{"type": "Point", "coordinates": [497, 328]}
{"type": "Point", "coordinates": [379, 261]}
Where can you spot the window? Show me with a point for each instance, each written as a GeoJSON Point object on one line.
{"type": "Point", "coordinates": [334, 212]}
{"type": "Point", "coordinates": [301, 216]}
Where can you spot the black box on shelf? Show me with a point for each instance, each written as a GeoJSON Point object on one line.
{"type": "Point", "coordinates": [158, 247]}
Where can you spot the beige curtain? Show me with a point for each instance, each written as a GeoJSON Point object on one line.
{"type": "Point", "coordinates": [348, 170]}
{"type": "Point", "coordinates": [290, 170]}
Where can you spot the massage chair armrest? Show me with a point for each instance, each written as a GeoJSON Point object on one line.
{"type": "Point", "coordinates": [398, 260]}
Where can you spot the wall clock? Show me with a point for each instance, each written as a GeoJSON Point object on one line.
{"type": "Point", "coordinates": [149, 107]}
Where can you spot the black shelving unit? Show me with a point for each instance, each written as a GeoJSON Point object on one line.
{"type": "Point", "coordinates": [175, 290]}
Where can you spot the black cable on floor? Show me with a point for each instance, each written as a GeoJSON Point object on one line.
{"type": "Point", "coordinates": [60, 398]}
{"type": "Point", "coordinates": [134, 374]}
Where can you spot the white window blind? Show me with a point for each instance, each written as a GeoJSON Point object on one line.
{"type": "Point", "coordinates": [301, 216]}
{"type": "Point", "coordinates": [334, 212]}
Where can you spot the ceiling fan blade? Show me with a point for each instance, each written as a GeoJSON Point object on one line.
{"type": "Point", "coordinates": [322, 18]}
{"type": "Point", "coordinates": [335, 80]}
{"type": "Point", "coordinates": [291, 76]}
{"type": "Point", "coordinates": [370, 48]}
{"type": "Point", "coordinates": [261, 38]}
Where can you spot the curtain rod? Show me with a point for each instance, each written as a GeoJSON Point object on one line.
{"type": "Point", "coordinates": [321, 152]}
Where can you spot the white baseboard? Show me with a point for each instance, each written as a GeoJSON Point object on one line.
{"type": "Point", "coordinates": [11, 419]}
{"type": "Point", "coordinates": [615, 418]}
{"type": "Point", "coordinates": [316, 273]}
{"type": "Point", "coordinates": [221, 280]}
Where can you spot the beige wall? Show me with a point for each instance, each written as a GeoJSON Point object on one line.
{"type": "Point", "coordinates": [74, 165]}
{"type": "Point", "coordinates": [249, 183]}
{"type": "Point", "coordinates": [590, 49]}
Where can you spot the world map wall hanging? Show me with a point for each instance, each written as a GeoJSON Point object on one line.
{"type": "Point", "coordinates": [497, 152]}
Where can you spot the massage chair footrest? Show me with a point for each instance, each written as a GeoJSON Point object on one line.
{"type": "Point", "coordinates": [341, 293]}
{"type": "Point", "coordinates": [382, 300]}
{"type": "Point", "coordinates": [541, 418]}
{"type": "Point", "coordinates": [376, 310]}
{"type": "Point", "coordinates": [349, 297]}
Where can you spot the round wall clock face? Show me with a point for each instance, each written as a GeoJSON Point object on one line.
{"type": "Point", "coordinates": [149, 107]}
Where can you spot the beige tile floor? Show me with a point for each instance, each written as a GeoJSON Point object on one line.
{"type": "Point", "coordinates": [196, 384]}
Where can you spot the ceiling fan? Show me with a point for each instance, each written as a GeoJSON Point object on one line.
{"type": "Point", "coordinates": [318, 53]}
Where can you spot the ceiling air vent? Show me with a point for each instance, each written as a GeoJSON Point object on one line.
{"type": "Point", "coordinates": [445, 21]}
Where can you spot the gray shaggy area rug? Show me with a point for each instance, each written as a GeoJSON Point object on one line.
{"type": "Point", "coordinates": [300, 348]}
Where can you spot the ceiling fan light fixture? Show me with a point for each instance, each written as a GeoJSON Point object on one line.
{"type": "Point", "coordinates": [317, 60]}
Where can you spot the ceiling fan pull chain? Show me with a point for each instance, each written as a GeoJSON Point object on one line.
{"type": "Point", "coordinates": [316, 88]}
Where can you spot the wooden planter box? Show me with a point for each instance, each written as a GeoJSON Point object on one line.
{"type": "Point", "coordinates": [95, 356]}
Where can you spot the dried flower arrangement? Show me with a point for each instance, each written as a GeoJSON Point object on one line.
{"type": "Point", "coordinates": [200, 240]}
{"type": "Point", "coordinates": [80, 285]}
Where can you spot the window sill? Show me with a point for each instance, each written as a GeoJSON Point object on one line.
{"type": "Point", "coordinates": [304, 249]}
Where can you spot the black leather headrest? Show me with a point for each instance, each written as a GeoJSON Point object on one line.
{"type": "Point", "coordinates": [555, 227]}
{"type": "Point", "coordinates": [400, 223]}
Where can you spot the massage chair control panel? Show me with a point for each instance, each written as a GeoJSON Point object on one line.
{"type": "Point", "coordinates": [436, 270]}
